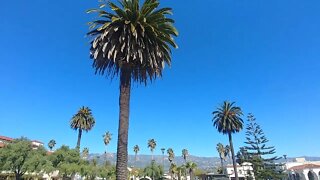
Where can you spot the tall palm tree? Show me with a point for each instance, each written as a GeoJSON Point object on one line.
{"type": "Point", "coordinates": [170, 155]}
{"type": "Point", "coordinates": [132, 40]}
{"type": "Point", "coordinates": [185, 154]}
{"type": "Point", "coordinates": [191, 166]}
{"type": "Point", "coordinates": [107, 136]}
{"type": "Point", "coordinates": [227, 120]}
{"type": "Point", "coordinates": [51, 144]}
{"type": "Point", "coordinates": [136, 149]}
{"type": "Point", "coordinates": [82, 120]}
{"type": "Point", "coordinates": [152, 145]}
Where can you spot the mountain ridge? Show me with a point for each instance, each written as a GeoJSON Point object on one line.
{"type": "Point", "coordinates": [204, 163]}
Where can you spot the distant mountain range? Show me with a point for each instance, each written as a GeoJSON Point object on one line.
{"type": "Point", "coordinates": [205, 163]}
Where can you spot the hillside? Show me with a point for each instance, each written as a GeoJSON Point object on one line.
{"type": "Point", "coordinates": [205, 163]}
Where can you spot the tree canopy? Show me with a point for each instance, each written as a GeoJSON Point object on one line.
{"type": "Point", "coordinates": [19, 157]}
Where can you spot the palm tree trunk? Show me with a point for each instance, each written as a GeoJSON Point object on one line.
{"type": "Point", "coordinates": [79, 138]}
{"type": "Point", "coordinates": [122, 147]}
{"type": "Point", "coordinates": [151, 155]}
{"type": "Point", "coordinates": [233, 158]}
{"type": "Point", "coordinates": [222, 169]}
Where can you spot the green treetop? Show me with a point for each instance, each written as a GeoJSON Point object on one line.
{"type": "Point", "coordinates": [258, 152]}
{"type": "Point", "coordinates": [19, 157]}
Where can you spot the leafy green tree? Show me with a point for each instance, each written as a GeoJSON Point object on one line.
{"type": "Point", "coordinates": [153, 170]}
{"type": "Point", "coordinates": [191, 166]}
{"type": "Point", "coordinates": [83, 120]}
{"type": "Point", "coordinates": [19, 157]}
{"type": "Point", "coordinates": [152, 145]}
{"type": "Point", "coordinates": [106, 139]}
{"type": "Point", "coordinates": [136, 149]}
{"type": "Point", "coordinates": [223, 153]}
{"type": "Point", "coordinates": [91, 170]}
{"type": "Point", "coordinates": [170, 155]}
{"type": "Point", "coordinates": [67, 161]}
{"type": "Point", "coordinates": [259, 153]}
{"type": "Point", "coordinates": [133, 41]}
{"type": "Point", "coordinates": [51, 144]}
{"type": "Point", "coordinates": [227, 120]}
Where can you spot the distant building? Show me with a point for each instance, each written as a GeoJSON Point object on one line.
{"type": "Point", "coordinates": [302, 169]}
{"type": "Point", "coordinates": [36, 144]}
{"type": "Point", "coordinates": [244, 171]}
{"type": "Point", "coordinates": [5, 140]}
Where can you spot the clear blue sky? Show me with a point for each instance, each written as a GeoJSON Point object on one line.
{"type": "Point", "coordinates": [262, 54]}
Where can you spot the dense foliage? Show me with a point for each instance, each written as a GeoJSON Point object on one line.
{"type": "Point", "coordinates": [154, 170]}
{"type": "Point", "coordinates": [19, 157]}
{"type": "Point", "coordinates": [24, 160]}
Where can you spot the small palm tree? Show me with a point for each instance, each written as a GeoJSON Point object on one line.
{"type": "Point", "coordinates": [136, 149]}
{"type": "Point", "coordinates": [227, 120]}
{"type": "Point", "coordinates": [85, 153]}
{"type": "Point", "coordinates": [152, 145]}
{"type": "Point", "coordinates": [162, 151]}
{"type": "Point", "coordinates": [170, 155]}
{"type": "Point", "coordinates": [132, 40]}
{"type": "Point", "coordinates": [153, 170]}
{"type": "Point", "coordinates": [51, 144]}
{"type": "Point", "coordinates": [185, 154]}
{"type": "Point", "coordinates": [223, 152]}
{"type": "Point", "coordinates": [106, 139]}
{"type": "Point", "coordinates": [82, 120]}
{"type": "Point", "coordinates": [173, 170]}
{"type": "Point", "coordinates": [191, 166]}
{"type": "Point", "coordinates": [180, 171]}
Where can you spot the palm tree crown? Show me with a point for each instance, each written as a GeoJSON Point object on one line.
{"type": "Point", "coordinates": [51, 144]}
{"type": "Point", "coordinates": [132, 40]}
{"type": "Point", "coordinates": [222, 150]}
{"type": "Point", "coordinates": [136, 149]}
{"type": "Point", "coordinates": [170, 155]}
{"type": "Point", "coordinates": [227, 118]}
{"type": "Point", "coordinates": [185, 154]}
{"type": "Point", "coordinates": [83, 119]}
{"type": "Point", "coordinates": [107, 138]}
{"type": "Point", "coordinates": [152, 144]}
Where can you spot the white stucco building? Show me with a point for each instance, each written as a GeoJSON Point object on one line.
{"type": "Point", "coordinates": [302, 170]}
{"type": "Point", "coordinates": [244, 171]}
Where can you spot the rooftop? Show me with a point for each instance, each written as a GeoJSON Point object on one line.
{"type": "Point", "coordinates": [6, 138]}
{"type": "Point", "coordinates": [304, 166]}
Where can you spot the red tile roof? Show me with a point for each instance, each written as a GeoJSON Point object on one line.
{"type": "Point", "coordinates": [5, 138]}
{"type": "Point", "coordinates": [304, 166]}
